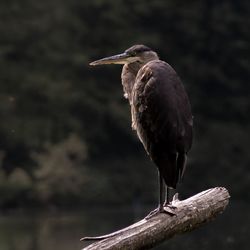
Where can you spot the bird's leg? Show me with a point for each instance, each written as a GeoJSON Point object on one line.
{"type": "Point", "coordinates": [168, 197]}
{"type": "Point", "coordinates": [167, 201]}
{"type": "Point", "coordinates": [168, 206]}
{"type": "Point", "coordinates": [162, 191]}
{"type": "Point", "coordinates": [160, 207]}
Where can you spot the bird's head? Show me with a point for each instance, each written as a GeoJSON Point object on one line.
{"type": "Point", "coordinates": [137, 53]}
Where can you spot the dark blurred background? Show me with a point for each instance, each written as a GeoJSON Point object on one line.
{"type": "Point", "coordinates": [65, 134]}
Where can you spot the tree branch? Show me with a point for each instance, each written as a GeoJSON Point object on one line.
{"type": "Point", "coordinates": [147, 233]}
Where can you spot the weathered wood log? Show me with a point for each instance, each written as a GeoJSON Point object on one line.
{"type": "Point", "coordinates": [147, 233]}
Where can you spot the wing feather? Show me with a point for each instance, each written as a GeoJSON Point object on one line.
{"type": "Point", "coordinates": [161, 115]}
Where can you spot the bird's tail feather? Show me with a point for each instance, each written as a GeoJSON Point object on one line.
{"type": "Point", "coordinates": [167, 165]}
{"type": "Point", "coordinates": [172, 167]}
{"type": "Point", "coordinates": [181, 164]}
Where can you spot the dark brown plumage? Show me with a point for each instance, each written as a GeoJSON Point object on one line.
{"type": "Point", "coordinates": [160, 109]}
{"type": "Point", "coordinates": [162, 117]}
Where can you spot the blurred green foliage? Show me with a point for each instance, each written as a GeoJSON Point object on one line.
{"type": "Point", "coordinates": [61, 170]}
{"type": "Point", "coordinates": [65, 133]}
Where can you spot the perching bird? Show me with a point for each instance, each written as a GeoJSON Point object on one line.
{"type": "Point", "coordinates": [161, 112]}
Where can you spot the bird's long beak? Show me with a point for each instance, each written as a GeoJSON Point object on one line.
{"type": "Point", "coordinates": [117, 59]}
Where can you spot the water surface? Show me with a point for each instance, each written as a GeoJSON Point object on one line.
{"type": "Point", "coordinates": [62, 231]}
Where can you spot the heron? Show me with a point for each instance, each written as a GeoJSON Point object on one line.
{"type": "Point", "coordinates": [160, 111]}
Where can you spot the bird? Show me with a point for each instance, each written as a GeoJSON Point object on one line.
{"type": "Point", "coordinates": [160, 112]}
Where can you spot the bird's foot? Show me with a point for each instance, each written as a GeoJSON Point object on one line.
{"type": "Point", "coordinates": [172, 204]}
{"type": "Point", "coordinates": [168, 209]}
{"type": "Point", "coordinates": [154, 212]}
{"type": "Point", "coordinates": [169, 205]}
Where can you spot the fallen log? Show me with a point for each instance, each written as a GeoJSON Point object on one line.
{"type": "Point", "coordinates": [147, 233]}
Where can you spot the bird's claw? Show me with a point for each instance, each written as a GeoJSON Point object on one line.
{"type": "Point", "coordinates": [167, 208]}
{"type": "Point", "coordinates": [152, 213]}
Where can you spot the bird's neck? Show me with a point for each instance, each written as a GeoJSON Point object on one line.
{"type": "Point", "coordinates": [129, 73]}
